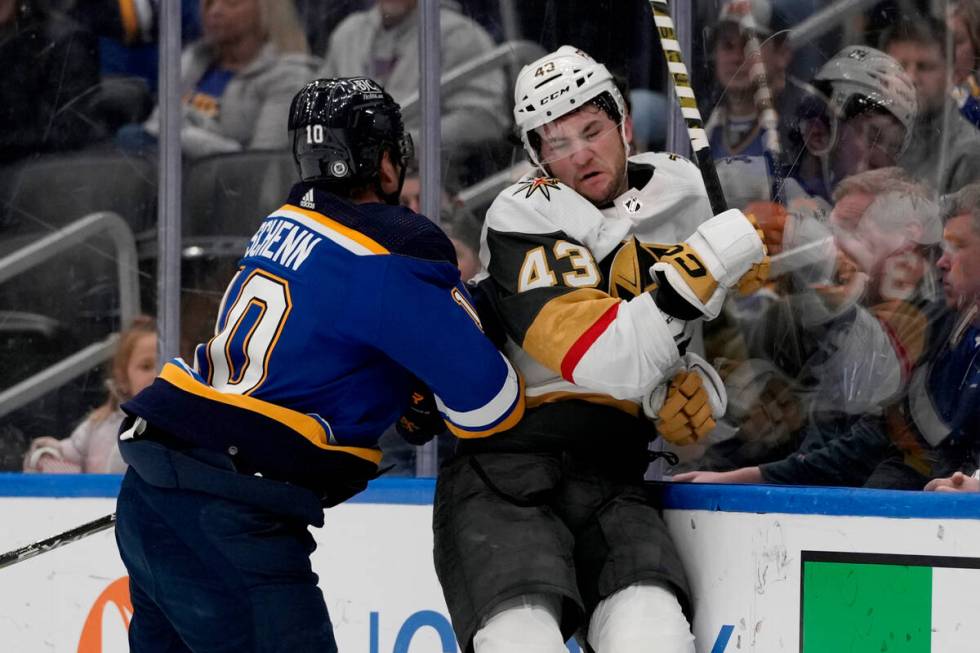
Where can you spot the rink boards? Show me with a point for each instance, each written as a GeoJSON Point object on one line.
{"type": "Point", "coordinates": [772, 569]}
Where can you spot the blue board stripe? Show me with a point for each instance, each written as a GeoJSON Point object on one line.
{"type": "Point", "coordinates": [672, 496]}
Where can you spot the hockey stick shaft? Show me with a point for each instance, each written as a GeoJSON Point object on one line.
{"type": "Point", "coordinates": [43, 546]}
{"type": "Point", "coordinates": [765, 105]}
{"type": "Point", "coordinates": [688, 103]}
{"type": "Point", "coordinates": [768, 119]}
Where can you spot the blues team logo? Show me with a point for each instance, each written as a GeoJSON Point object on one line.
{"type": "Point", "coordinates": [544, 185]}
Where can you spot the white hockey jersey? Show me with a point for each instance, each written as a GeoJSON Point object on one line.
{"type": "Point", "coordinates": [572, 282]}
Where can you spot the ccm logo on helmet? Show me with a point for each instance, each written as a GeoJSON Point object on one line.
{"type": "Point", "coordinates": [554, 96]}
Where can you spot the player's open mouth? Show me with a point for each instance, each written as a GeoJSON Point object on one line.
{"type": "Point", "coordinates": [590, 176]}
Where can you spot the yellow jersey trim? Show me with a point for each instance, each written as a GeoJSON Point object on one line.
{"type": "Point", "coordinates": [371, 245]}
{"type": "Point", "coordinates": [304, 425]}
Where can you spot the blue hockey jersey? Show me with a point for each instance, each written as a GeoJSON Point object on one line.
{"type": "Point", "coordinates": [335, 306]}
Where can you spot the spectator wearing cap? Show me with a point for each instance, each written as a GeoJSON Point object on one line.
{"type": "Point", "coordinates": [846, 348]}
{"type": "Point", "coordinates": [945, 147]}
{"type": "Point", "coordinates": [734, 124]}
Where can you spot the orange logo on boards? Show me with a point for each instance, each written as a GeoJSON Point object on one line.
{"type": "Point", "coordinates": [116, 595]}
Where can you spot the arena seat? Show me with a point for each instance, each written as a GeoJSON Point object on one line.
{"type": "Point", "coordinates": [48, 192]}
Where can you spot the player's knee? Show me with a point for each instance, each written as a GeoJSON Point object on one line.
{"type": "Point", "coordinates": [640, 617]}
{"type": "Point", "coordinates": [525, 624]}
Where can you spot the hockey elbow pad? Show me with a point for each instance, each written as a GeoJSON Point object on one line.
{"type": "Point", "coordinates": [686, 409]}
{"type": "Point", "coordinates": [713, 259]}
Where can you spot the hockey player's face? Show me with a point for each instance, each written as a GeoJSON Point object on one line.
{"type": "Point", "coordinates": [960, 262]}
{"type": "Point", "coordinates": [584, 149]}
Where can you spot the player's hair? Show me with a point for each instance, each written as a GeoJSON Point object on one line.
{"type": "Point", "coordinates": [969, 12]}
{"type": "Point", "coordinates": [965, 201]}
{"type": "Point", "coordinates": [899, 201]}
{"type": "Point", "coordinates": [117, 381]}
{"type": "Point", "coordinates": [281, 24]}
{"type": "Point", "coordinates": [877, 182]}
{"type": "Point", "coordinates": [923, 30]}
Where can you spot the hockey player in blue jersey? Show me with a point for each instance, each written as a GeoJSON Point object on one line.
{"type": "Point", "coordinates": [342, 301]}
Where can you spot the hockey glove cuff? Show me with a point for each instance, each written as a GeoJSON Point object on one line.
{"type": "Point", "coordinates": [715, 258]}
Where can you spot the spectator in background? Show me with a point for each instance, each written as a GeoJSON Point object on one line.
{"type": "Point", "coordinates": [734, 126]}
{"type": "Point", "coordinates": [127, 32]}
{"type": "Point", "coordinates": [463, 229]}
{"type": "Point", "coordinates": [91, 447]}
{"type": "Point", "coordinates": [860, 118]}
{"type": "Point", "coordinates": [945, 147]}
{"type": "Point", "coordinates": [964, 22]}
{"type": "Point", "coordinates": [50, 68]}
{"type": "Point", "coordinates": [846, 347]}
{"type": "Point", "coordinates": [383, 43]}
{"type": "Point", "coordinates": [238, 80]}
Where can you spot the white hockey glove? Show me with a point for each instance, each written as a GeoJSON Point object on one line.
{"type": "Point", "coordinates": [686, 409]}
{"type": "Point", "coordinates": [699, 271]}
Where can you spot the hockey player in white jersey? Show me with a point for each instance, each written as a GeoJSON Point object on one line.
{"type": "Point", "coordinates": [597, 270]}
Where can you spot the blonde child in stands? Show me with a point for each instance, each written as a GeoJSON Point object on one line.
{"type": "Point", "coordinates": [91, 448]}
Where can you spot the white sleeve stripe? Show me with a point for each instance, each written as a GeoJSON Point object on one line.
{"type": "Point", "coordinates": [492, 411]}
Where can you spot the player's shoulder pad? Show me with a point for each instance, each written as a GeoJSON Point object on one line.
{"type": "Point", "coordinates": [413, 234]}
{"type": "Point", "coordinates": [396, 228]}
{"type": "Point", "coordinates": [542, 205]}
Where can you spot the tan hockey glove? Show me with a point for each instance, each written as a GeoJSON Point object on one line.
{"type": "Point", "coordinates": [686, 408]}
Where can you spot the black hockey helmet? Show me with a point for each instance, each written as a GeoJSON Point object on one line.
{"type": "Point", "coordinates": [339, 129]}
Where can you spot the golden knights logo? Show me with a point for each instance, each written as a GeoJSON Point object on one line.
{"type": "Point", "coordinates": [542, 184]}
{"type": "Point", "coordinates": [629, 272]}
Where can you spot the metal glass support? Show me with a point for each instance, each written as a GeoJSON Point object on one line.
{"type": "Point", "coordinates": [47, 248]}
{"type": "Point", "coordinates": [168, 214]}
{"type": "Point", "coordinates": [429, 152]}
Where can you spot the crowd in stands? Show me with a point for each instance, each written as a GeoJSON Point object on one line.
{"type": "Point", "coordinates": [859, 155]}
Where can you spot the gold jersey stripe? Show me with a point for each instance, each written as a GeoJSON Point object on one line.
{"type": "Point", "coordinates": [562, 322]}
{"type": "Point", "coordinates": [628, 407]}
{"type": "Point", "coordinates": [303, 425]}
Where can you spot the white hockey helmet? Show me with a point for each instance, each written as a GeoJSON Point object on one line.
{"type": "Point", "coordinates": [556, 84]}
{"type": "Point", "coordinates": [864, 72]}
